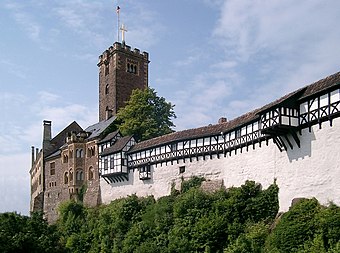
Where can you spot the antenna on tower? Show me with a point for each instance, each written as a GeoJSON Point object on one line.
{"type": "Point", "coordinates": [118, 21]}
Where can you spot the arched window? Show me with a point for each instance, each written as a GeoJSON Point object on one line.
{"type": "Point", "coordinates": [79, 153]}
{"type": "Point", "coordinates": [90, 173]}
{"type": "Point", "coordinates": [66, 178]}
{"type": "Point", "coordinates": [79, 175]}
{"type": "Point", "coordinates": [71, 175]}
{"type": "Point", "coordinates": [106, 89]}
{"type": "Point", "coordinates": [65, 160]}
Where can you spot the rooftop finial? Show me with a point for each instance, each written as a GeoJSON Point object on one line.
{"type": "Point", "coordinates": [123, 29]}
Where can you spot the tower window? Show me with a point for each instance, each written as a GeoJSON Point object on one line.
{"type": "Point", "coordinates": [79, 175]}
{"type": "Point", "coordinates": [106, 89]}
{"type": "Point", "coordinates": [91, 173]}
{"type": "Point", "coordinates": [66, 178]}
{"type": "Point", "coordinates": [79, 153]}
{"type": "Point", "coordinates": [65, 160]}
{"type": "Point", "coordinates": [131, 68]}
{"type": "Point", "coordinates": [52, 168]}
{"type": "Point", "coordinates": [107, 69]}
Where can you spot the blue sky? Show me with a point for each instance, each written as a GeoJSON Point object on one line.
{"type": "Point", "coordinates": [211, 58]}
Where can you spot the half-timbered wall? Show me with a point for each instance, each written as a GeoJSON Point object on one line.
{"type": "Point", "coordinates": [309, 168]}
{"type": "Point", "coordinates": [220, 144]}
{"type": "Point", "coordinates": [318, 109]}
{"type": "Point", "coordinates": [116, 162]}
{"type": "Point", "coordinates": [310, 171]}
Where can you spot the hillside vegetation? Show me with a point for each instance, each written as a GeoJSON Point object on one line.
{"type": "Point", "coordinates": [237, 220]}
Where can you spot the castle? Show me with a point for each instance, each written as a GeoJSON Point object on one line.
{"type": "Point", "coordinates": [294, 140]}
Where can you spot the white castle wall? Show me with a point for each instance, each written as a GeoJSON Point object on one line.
{"type": "Point", "coordinates": [310, 171]}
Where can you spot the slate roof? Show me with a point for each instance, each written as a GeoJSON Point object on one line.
{"type": "Point", "coordinates": [304, 92]}
{"type": "Point", "coordinates": [118, 146]}
{"type": "Point", "coordinates": [109, 137]}
{"type": "Point", "coordinates": [97, 129]}
{"type": "Point", "coordinates": [60, 139]}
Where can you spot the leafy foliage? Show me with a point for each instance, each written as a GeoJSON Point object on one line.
{"type": "Point", "coordinates": [146, 115]}
{"type": "Point", "coordinates": [27, 234]}
{"type": "Point", "coordinates": [237, 220]}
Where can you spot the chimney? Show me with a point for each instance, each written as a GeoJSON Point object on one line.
{"type": "Point", "coordinates": [47, 135]}
{"type": "Point", "coordinates": [33, 159]}
{"type": "Point", "coordinates": [36, 153]}
{"type": "Point", "coordinates": [222, 120]}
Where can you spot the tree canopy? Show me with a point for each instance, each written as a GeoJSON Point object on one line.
{"type": "Point", "coordinates": [146, 115]}
{"type": "Point", "coordinates": [237, 220]}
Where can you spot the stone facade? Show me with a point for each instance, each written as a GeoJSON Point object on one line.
{"type": "Point", "coordinates": [121, 70]}
{"type": "Point", "coordinates": [67, 165]}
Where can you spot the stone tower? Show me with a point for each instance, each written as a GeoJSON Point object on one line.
{"type": "Point", "coordinates": [121, 70]}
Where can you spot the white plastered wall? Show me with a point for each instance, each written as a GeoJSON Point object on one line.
{"type": "Point", "coordinates": [310, 171]}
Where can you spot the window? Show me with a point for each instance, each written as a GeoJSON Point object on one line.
{"type": "Point", "coordinates": [131, 68]}
{"type": "Point", "coordinates": [52, 168]}
{"type": "Point", "coordinates": [111, 162]}
{"type": "Point", "coordinates": [90, 173]}
{"type": "Point", "coordinates": [145, 172]}
{"type": "Point", "coordinates": [173, 146]}
{"type": "Point", "coordinates": [65, 158]}
{"type": "Point", "coordinates": [107, 69]}
{"type": "Point", "coordinates": [106, 89]}
{"type": "Point", "coordinates": [181, 169]}
{"type": "Point", "coordinates": [238, 133]}
{"type": "Point", "coordinates": [91, 151]}
{"type": "Point", "coordinates": [79, 175]}
{"type": "Point", "coordinates": [66, 178]}
{"type": "Point", "coordinates": [105, 163]}
{"type": "Point", "coordinates": [79, 153]}
{"type": "Point", "coordinates": [71, 175]}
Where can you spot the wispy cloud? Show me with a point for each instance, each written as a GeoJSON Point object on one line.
{"type": "Point", "coordinates": [25, 20]}
{"type": "Point", "coordinates": [14, 69]}
{"type": "Point", "coordinates": [288, 44]}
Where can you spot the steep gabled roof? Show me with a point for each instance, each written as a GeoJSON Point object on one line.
{"type": "Point", "coordinates": [301, 93]}
{"type": "Point", "coordinates": [109, 136]}
{"type": "Point", "coordinates": [118, 146]}
{"type": "Point", "coordinates": [97, 129]}
{"type": "Point", "coordinates": [60, 138]}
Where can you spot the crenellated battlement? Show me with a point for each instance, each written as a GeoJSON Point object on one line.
{"type": "Point", "coordinates": [117, 46]}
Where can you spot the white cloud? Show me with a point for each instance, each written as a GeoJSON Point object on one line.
{"type": "Point", "coordinates": [276, 47]}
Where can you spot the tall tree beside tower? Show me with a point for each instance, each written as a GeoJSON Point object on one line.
{"type": "Point", "coordinates": [146, 115]}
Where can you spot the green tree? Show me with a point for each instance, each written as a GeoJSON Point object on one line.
{"type": "Point", "coordinates": [146, 115]}
{"type": "Point", "coordinates": [20, 233]}
{"type": "Point", "coordinates": [296, 227]}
